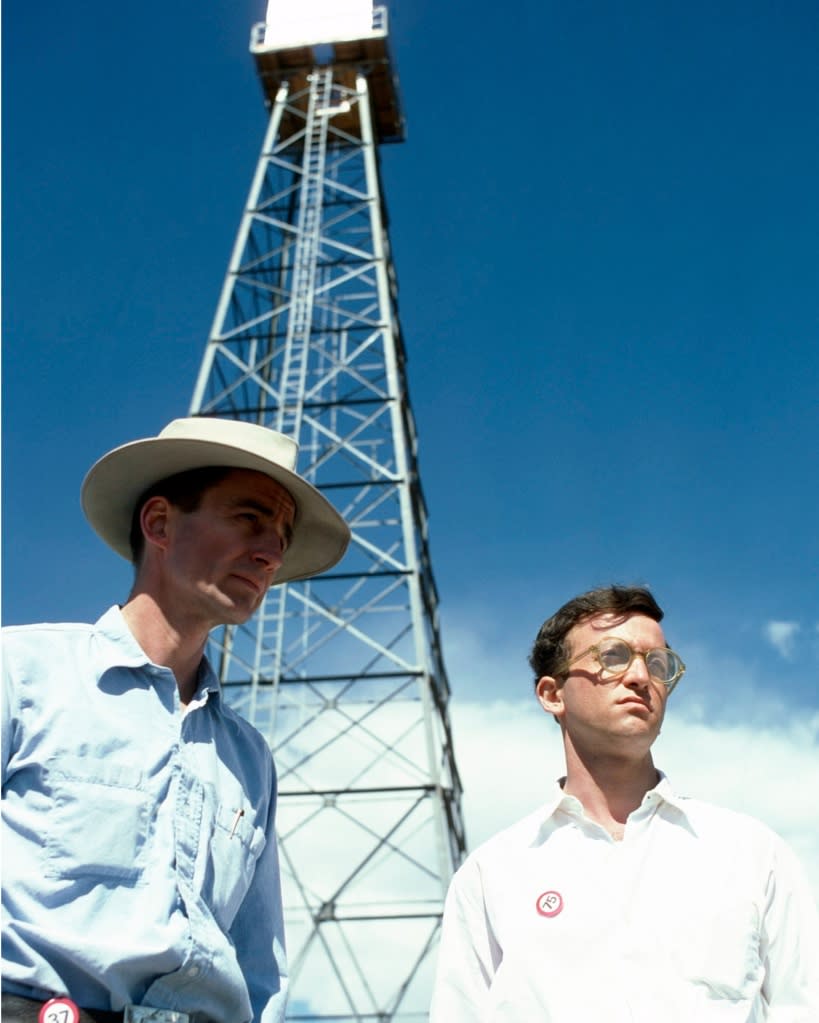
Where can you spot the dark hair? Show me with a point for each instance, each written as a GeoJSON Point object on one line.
{"type": "Point", "coordinates": [549, 650]}
{"type": "Point", "coordinates": [185, 490]}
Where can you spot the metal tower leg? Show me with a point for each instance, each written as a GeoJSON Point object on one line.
{"type": "Point", "coordinates": [344, 673]}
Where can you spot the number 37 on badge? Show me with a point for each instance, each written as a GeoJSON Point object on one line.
{"type": "Point", "coordinates": [59, 1010]}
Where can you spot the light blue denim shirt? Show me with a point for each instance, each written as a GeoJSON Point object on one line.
{"type": "Point", "coordinates": [139, 852]}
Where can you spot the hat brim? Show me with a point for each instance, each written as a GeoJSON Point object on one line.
{"type": "Point", "coordinates": [115, 483]}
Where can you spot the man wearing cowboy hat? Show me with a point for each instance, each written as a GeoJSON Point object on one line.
{"type": "Point", "coordinates": [141, 872]}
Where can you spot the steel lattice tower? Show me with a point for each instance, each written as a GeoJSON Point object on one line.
{"type": "Point", "coordinates": [343, 673]}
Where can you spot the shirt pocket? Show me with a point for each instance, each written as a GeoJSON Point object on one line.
{"type": "Point", "coordinates": [716, 947]}
{"type": "Point", "coordinates": [235, 847]}
{"type": "Point", "coordinates": [99, 823]}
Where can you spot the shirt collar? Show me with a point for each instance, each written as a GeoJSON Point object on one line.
{"type": "Point", "coordinates": [206, 681]}
{"type": "Point", "coordinates": [118, 648]}
{"type": "Point", "coordinates": [669, 796]}
{"type": "Point", "coordinates": [559, 800]}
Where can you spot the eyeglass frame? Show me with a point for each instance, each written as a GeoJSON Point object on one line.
{"type": "Point", "coordinates": [634, 653]}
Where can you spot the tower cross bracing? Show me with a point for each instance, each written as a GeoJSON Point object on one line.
{"type": "Point", "coordinates": [344, 673]}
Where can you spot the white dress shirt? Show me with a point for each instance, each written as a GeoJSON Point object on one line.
{"type": "Point", "coordinates": [699, 915]}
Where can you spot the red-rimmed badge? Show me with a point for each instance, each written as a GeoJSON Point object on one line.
{"type": "Point", "coordinates": [59, 1010]}
{"type": "Point", "coordinates": [549, 904]}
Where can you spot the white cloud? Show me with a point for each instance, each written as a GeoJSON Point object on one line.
{"type": "Point", "coordinates": [781, 636]}
{"type": "Point", "coordinates": [728, 738]}
{"type": "Point", "coordinates": [510, 752]}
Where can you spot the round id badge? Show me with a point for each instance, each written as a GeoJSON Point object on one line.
{"type": "Point", "coordinates": [59, 1010]}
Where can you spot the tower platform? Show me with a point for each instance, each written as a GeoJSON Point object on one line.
{"type": "Point", "coordinates": [368, 54]}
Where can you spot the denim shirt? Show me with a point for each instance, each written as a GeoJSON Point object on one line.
{"type": "Point", "coordinates": [140, 861]}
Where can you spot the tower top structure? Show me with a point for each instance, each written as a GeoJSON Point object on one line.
{"type": "Point", "coordinates": [351, 35]}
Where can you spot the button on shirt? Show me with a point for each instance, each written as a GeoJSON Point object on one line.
{"type": "Point", "coordinates": [699, 915]}
{"type": "Point", "coordinates": [139, 851]}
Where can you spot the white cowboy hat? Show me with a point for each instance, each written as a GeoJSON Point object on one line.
{"type": "Point", "coordinates": [115, 483]}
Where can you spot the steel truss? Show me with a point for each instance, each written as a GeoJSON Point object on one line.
{"type": "Point", "coordinates": [344, 673]}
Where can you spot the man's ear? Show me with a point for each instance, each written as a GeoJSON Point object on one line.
{"type": "Point", "coordinates": [153, 519]}
{"type": "Point", "coordinates": [549, 692]}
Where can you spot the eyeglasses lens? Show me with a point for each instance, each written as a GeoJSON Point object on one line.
{"type": "Point", "coordinates": [660, 664]}
{"type": "Point", "coordinates": [616, 656]}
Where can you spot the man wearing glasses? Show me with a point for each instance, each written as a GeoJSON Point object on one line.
{"type": "Point", "coordinates": [619, 899]}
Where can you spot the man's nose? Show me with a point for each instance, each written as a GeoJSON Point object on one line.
{"type": "Point", "coordinates": [637, 673]}
{"type": "Point", "coordinates": [269, 552]}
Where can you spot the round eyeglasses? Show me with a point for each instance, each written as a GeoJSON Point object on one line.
{"type": "Point", "coordinates": [615, 656]}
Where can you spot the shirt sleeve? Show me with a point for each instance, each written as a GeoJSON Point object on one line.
{"type": "Point", "coordinates": [258, 931]}
{"type": "Point", "coordinates": [469, 954]}
{"type": "Point", "coordinates": [9, 707]}
{"type": "Point", "coordinates": [790, 943]}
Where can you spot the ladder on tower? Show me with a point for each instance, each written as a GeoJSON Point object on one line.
{"type": "Point", "coordinates": [308, 238]}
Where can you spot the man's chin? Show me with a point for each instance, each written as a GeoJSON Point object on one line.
{"type": "Point", "coordinates": [236, 609]}
{"type": "Point", "coordinates": [240, 612]}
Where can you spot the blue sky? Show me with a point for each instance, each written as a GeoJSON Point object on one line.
{"type": "Point", "coordinates": [605, 224]}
